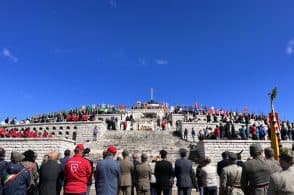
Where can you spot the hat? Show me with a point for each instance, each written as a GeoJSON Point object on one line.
{"type": "Point", "coordinates": [16, 156]}
{"type": "Point", "coordinates": [80, 147]}
{"type": "Point", "coordinates": [286, 155]}
{"type": "Point", "coordinates": [112, 149]}
{"type": "Point", "coordinates": [232, 156]}
{"type": "Point", "coordinates": [30, 154]}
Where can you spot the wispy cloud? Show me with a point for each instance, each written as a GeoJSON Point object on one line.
{"type": "Point", "coordinates": [142, 61]}
{"type": "Point", "coordinates": [161, 61]}
{"type": "Point", "coordinates": [290, 48]}
{"type": "Point", "coordinates": [8, 54]}
{"type": "Point", "coordinates": [112, 3]}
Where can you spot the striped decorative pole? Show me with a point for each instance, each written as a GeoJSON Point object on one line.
{"type": "Point", "coordinates": [274, 126]}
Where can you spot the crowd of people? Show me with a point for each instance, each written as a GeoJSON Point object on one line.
{"type": "Point", "coordinates": [259, 175]}
{"type": "Point", "coordinates": [24, 133]}
{"type": "Point", "coordinates": [85, 113]}
{"type": "Point", "coordinates": [88, 113]}
{"type": "Point", "coordinates": [229, 131]}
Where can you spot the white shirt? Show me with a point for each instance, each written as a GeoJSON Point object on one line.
{"type": "Point", "coordinates": [209, 176]}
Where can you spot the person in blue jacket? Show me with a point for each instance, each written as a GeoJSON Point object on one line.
{"type": "Point", "coordinates": [107, 175]}
{"type": "Point", "coordinates": [17, 177]}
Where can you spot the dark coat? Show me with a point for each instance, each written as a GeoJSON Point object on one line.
{"type": "Point", "coordinates": [184, 173]}
{"type": "Point", "coordinates": [3, 168]}
{"type": "Point", "coordinates": [164, 174]}
{"type": "Point", "coordinates": [50, 173]}
{"type": "Point", "coordinates": [19, 185]}
{"type": "Point", "coordinates": [221, 164]}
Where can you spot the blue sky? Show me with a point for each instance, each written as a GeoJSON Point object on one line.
{"type": "Point", "coordinates": [60, 54]}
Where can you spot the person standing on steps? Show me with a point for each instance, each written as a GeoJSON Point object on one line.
{"type": "Point", "coordinates": [95, 133]}
{"type": "Point", "coordinates": [193, 134]}
{"type": "Point", "coordinates": [186, 134]}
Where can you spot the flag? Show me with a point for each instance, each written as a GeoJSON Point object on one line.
{"type": "Point", "coordinates": [246, 109]}
{"type": "Point", "coordinates": [197, 106]}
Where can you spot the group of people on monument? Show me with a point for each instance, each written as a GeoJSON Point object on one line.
{"type": "Point", "coordinates": [23, 133]}
{"type": "Point", "coordinates": [245, 132]}
{"type": "Point", "coordinates": [86, 113]}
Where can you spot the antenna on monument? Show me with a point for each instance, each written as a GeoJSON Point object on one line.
{"type": "Point", "coordinates": [151, 93]}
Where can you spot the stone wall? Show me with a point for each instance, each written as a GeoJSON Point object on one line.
{"type": "Point", "coordinates": [214, 148]}
{"type": "Point", "coordinates": [177, 117]}
{"type": "Point", "coordinates": [81, 132]}
{"type": "Point", "coordinates": [40, 145]}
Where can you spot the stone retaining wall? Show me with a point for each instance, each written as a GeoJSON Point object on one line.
{"type": "Point", "coordinates": [40, 145]}
{"type": "Point", "coordinates": [214, 148]}
{"type": "Point", "coordinates": [81, 132]}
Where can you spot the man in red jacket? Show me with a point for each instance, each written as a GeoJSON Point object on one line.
{"type": "Point", "coordinates": [77, 172]}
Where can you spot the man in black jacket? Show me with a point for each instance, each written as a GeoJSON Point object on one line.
{"type": "Point", "coordinates": [164, 174]}
{"type": "Point", "coordinates": [223, 163]}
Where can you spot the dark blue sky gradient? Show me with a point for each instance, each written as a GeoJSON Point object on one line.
{"type": "Point", "coordinates": [68, 53]}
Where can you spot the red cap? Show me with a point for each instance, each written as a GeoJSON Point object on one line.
{"type": "Point", "coordinates": [80, 146]}
{"type": "Point", "coordinates": [112, 149]}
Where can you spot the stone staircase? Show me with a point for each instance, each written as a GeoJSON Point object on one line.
{"type": "Point", "coordinates": [149, 142]}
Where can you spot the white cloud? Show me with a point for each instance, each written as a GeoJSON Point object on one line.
{"type": "Point", "coordinates": [290, 48]}
{"type": "Point", "coordinates": [161, 61]}
{"type": "Point", "coordinates": [8, 54]}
